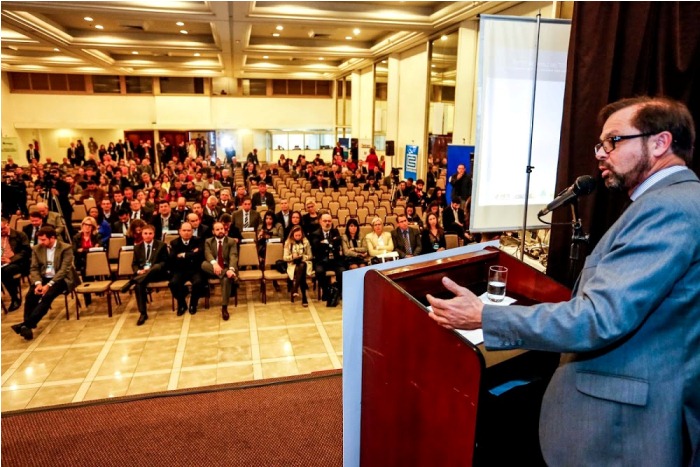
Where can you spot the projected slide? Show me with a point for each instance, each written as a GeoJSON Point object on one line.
{"type": "Point", "coordinates": [507, 70]}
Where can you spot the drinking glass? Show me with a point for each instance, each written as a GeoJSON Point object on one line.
{"type": "Point", "coordinates": [496, 286]}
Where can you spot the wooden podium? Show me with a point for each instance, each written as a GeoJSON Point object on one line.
{"type": "Point", "coordinates": [427, 391]}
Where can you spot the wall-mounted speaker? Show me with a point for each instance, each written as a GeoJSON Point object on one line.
{"type": "Point", "coordinates": [389, 148]}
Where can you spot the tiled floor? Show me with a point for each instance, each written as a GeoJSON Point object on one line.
{"type": "Point", "coordinates": [99, 357]}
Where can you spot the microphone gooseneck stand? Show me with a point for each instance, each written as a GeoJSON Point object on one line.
{"type": "Point", "coordinates": [579, 240]}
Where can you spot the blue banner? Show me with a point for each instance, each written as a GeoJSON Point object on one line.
{"type": "Point", "coordinates": [410, 162]}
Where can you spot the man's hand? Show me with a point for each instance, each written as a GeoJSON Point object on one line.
{"type": "Point", "coordinates": [41, 289]}
{"type": "Point", "coordinates": [217, 269]}
{"type": "Point", "coordinates": [5, 260]}
{"type": "Point", "coordinates": [460, 312]}
{"type": "Point", "coordinates": [230, 274]}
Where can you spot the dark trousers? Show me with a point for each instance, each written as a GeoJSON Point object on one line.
{"type": "Point", "coordinates": [330, 265]}
{"type": "Point", "coordinates": [141, 282]}
{"type": "Point", "coordinates": [10, 281]}
{"type": "Point", "coordinates": [179, 291]}
{"type": "Point", "coordinates": [36, 306]}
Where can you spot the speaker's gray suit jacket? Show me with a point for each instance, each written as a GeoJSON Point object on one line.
{"type": "Point", "coordinates": [627, 391]}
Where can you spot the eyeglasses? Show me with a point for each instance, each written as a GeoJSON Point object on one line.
{"type": "Point", "coordinates": [608, 144]}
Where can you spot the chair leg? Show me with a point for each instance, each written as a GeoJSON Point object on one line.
{"type": "Point", "coordinates": [109, 304]}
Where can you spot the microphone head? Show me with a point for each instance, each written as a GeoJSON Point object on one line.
{"type": "Point", "coordinates": [584, 185]}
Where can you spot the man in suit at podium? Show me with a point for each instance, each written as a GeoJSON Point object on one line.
{"type": "Point", "coordinates": [627, 388]}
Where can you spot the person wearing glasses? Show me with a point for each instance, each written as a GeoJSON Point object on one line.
{"type": "Point", "coordinates": [626, 390]}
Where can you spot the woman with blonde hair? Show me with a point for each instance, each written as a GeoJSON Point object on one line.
{"type": "Point", "coordinates": [378, 242]}
{"type": "Point", "coordinates": [84, 240]}
{"type": "Point", "coordinates": [297, 254]}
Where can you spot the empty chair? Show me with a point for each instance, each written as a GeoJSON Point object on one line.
{"type": "Point", "coordinates": [451, 241]}
{"type": "Point", "coordinates": [343, 201]}
{"type": "Point", "coordinates": [333, 207]}
{"type": "Point", "coordinates": [273, 253]}
{"type": "Point", "coordinates": [351, 195]}
{"type": "Point", "coordinates": [364, 230]}
{"type": "Point", "coordinates": [343, 214]}
{"type": "Point", "coordinates": [124, 272]}
{"type": "Point", "coordinates": [380, 212]}
{"type": "Point", "coordinates": [97, 268]}
{"type": "Point", "coordinates": [115, 246]}
{"type": "Point", "coordinates": [89, 203]}
{"type": "Point", "coordinates": [248, 258]}
{"type": "Point", "coordinates": [352, 208]}
{"type": "Point", "coordinates": [362, 214]}
{"type": "Point", "coordinates": [390, 219]}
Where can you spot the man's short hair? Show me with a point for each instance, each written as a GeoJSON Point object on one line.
{"type": "Point", "coordinates": [35, 214]}
{"type": "Point", "coordinates": [163, 201]}
{"type": "Point", "coordinates": [149, 227]}
{"type": "Point", "coordinates": [457, 200]}
{"type": "Point", "coordinates": [659, 114]}
{"type": "Point", "coordinates": [47, 231]}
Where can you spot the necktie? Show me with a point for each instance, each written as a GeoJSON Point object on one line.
{"type": "Point", "coordinates": [34, 236]}
{"type": "Point", "coordinates": [148, 253]}
{"type": "Point", "coordinates": [220, 254]}
{"type": "Point", "coordinates": [126, 228]}
{"type": "Point", "coordinates": [246, 223]}
{"type": "Point", "coordinates": [325, 235]}
{"type": "Point", "coordinates": [407, 242]}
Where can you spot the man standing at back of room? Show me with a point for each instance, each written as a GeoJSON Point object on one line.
{"type": "Point", "coordinates": [627, 391]}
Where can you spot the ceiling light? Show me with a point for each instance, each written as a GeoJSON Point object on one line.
{"type": "Point", "coordinates": [443, 38]}
{"type": "Point", "coordinates": [56, 49]}
{"type": "Point", "coordinates": [197, 54]}
{"type": "Point", "coordinates": [383, 61]}
{"type": "Point", "coordinates": [280, 28]}
{"type": "Point", "coordinates": [87, 18]}
{"type": "Point", "coordinates": [265, 57]}
{"type": "Point", "coordinates": [180, 23]}
{"type": "Point", "coordinates": [134, 52]}
{"type": "Point", "coordinates": [275, 34]}
{"type": "Point", "coordinates": [99, 26]}
{"type": "Point", "coordinates": [320, 58]}
{"type": "Point", "coordinates": [183, 31]}
{"type": "Point", "coordinates": [348, 38]}
{"type": "Point", "coordinates": [356, 31]}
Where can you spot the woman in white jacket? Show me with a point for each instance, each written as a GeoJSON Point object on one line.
{"type": "Point", "coordinates": [297, 254]}
{"type": "Point", "coordinates": [378, 242]}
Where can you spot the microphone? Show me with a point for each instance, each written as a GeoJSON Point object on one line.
{"type": "Point", "coordinates": [584, 185]}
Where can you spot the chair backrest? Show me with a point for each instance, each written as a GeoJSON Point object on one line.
{"type": "Point", "coordinates": [115, 245]}
{"type": "Point", "coordinates": [126, 257]}
{"type": "Point", "coordinates": [273, 253]}
{"type": "Point", "coordinates": [96, 264]}
{"type": "Point", "coordinates": [13, 221]}
{"type": "Point", "coordinates": [89, 203]}
{"type": "Point", "coordinates": [21, 223]}
{"type": "Point", "coordinates": [364, 230]}
{"type": "Point", "coordinates": [79, 213]}
{"type": "Point", "coordinates": [169, 238]}
{"type": "Point", "coordinates": [362, 214]}
{"type": "Point", "coordinates": [248, 255]}
{"type": "Point", "coordinates": [451, 241]}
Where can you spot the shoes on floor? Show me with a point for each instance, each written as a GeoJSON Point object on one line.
{"type": "Point", "coordinates": [181, 309]}
{"type": "Point", "coordinates": [142, 319]}
{"type": "Point", "coordinates": [193, 309]}
{"type": "Point", "coordinates": [224, 313]}
{"type": "Point", "coordinates": [17, 327]}
{"type": "Point", "coordinates": [25, 332]}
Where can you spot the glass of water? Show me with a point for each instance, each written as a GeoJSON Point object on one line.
{"type": "Point", "coordinates": [496, 287]}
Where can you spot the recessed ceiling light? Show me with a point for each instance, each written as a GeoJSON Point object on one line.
{"type": "Point", "coordinates": [383, 61]}
{"type": "Point", "coordinates": [265, 57]}
{"type": "Point", "coordinates": [321, 58]}
{"type": "Point", "coordinates": [356, 31]}
{"type": "Point", "coordinates": [275, 34]}
{"type": "Point", "coordinates": [183, 31]}
{"type": "Point", "coordinates": [134, 52]}
{"type": "Point", "coordinates": [56, 49]}
{"type": "Point", "coordinates": [443, 38]}
{"type": "Point", "coordinates": [99, 26]}
{"type": "Point", "coordinates": [197, 54]}
{"type": "Point", "coordinates": [180, 23]}
{"type": "Point", "coordinates": [348, 38]}
{"type": "Point", "coordinates": [432, 66]}
{"type": "Point", "coordinates": [87, 18]}
{"type": "Point", "coordinates": [280, 28]}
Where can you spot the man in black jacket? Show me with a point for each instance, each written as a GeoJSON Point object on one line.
{"type": "Point", "coordinates": [16, 257]}
{"type": "Point", "coordinates": [186, 256]}
{"type": "Point", "coordinates": [327, 248]}
{"type": "Point", "coordinates": [149, 265]}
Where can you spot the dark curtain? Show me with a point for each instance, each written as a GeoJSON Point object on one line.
{"type": "Point", "coordinates": [618, 50]}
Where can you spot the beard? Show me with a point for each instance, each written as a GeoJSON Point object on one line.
{"type": "Point", "coordinates": [624, 181]}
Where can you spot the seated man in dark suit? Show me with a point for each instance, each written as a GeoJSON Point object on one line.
{"type": "Point", "coordinates": [338, 181]}
{"type": "Point", "coordinates": [149, 265]}
{"type": "Point", "coordinates": [453, 218]}
{"type": "Point", "coordinates": [165, 220]}
{"type": "Point", "coordinates": [50, 274]}
{"type": "Point", "coordinates": [31, 230]}
{"type": "Point", "coordinates": [407, 241]}
{"type": "Point", "coordinates": [122, 225]}
{"type": "Point", "coordinates": [138, 212]}
{"type": "Point", "coordinates": [16, 258]}
{"type": "Point", "coordinates": [186, 256]}
{"type": "Point", "coordinates": [221, 261]}
{"type": "Point", "coordinates": [204, 218]}
{"type": "Point", "coordinates": [199, 230]}
{"type": "Point", "coordinates": [327, 248]}
{"type": "Point", "coordinates": [319, 182]}
{"type": "Point", "coordinates": [246, 217]}
{"type": "Point", "coordinates": [263, 198]}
